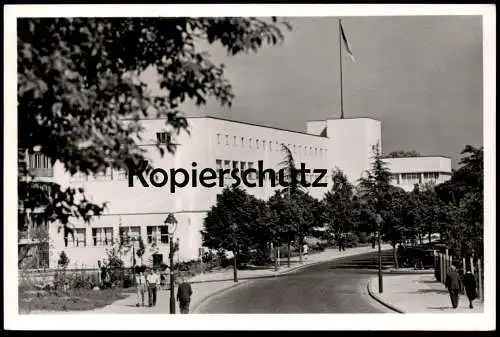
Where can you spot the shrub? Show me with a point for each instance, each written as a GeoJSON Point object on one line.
{"type": "Point", "coordinates": [63, 261]}
{"type": "Point", "coordinates": [363, 237]}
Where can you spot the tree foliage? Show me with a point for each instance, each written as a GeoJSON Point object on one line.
{"type": "Point", "coordinates": [229, 223]}
{"type": "Point", "coordinates": [81, 96]}
{"type": "Point", "coordinates": [403, 154]}
{"type": "Point", "coordinates": [339, 208]}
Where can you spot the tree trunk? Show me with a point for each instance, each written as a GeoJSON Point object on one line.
{"type": "Point", "coordinates": [276, 258]}
{"type": "Point", "coordinates": [235, 268]}
{"type": "Point", "coordinates": [395, 255]}
{"type": "Point", "coordinates": [300, 251]}
{"type": "Point", "coordinates": [289, 253]}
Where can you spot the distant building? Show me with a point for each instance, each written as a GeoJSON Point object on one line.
{"type": "Point", "coordinates": [216, 143]}
{"type": "Point", "coordinates": [410, 171]}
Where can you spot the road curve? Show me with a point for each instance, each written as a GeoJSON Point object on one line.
{"type": "Point", "coordinates": [338, 286]}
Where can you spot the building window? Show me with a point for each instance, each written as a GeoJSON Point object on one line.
{"type": "Point", "coordinates": [242, 141]}
{"type": "Point", "coordinates": [431, 175]}
{"type": "Point", "coordinates": [163, 137]}
{"type": "Point", "coordinates": [40, 165]}
{"type": "Point", "coordinates": [218, 138]}
{"type": "Point", "coordinates": [250, 142]}
{"type": "Point", "coordinates": [69, 239]}
{"type": "Point", "coordinates": [264, 145]}
{"type": "Point", "coordinates": [157, 234]}
{"type": "Point", "coordinates": [242, 166]}
{"type": "Point", "coordinates": [80, 237]}
{"type": "Point", "coordinates": [234, 140]}
{"type": "Point", "coordinates": [411, 178]}
{"type": "Point", "coordinates": [163, 234]}
{"type": "Point", "coordinates": [270, 146]}
{"type": "Point", "coordinates": [121, 174]}
{"type": "Point", "coordinates": [395, 178]}
{"type": "Point", "coordinates": [128, 233]}
{"type": "Point", "coordinates": [277, 146]}
{"type": "Point", "coordinates": [227, 139]}
{"type": "Point", "coordinates": [257, 143]}
{"type": "Point", "coordinates": [151, 234]}
{"type": "Point", "coordinates": [251, 175]}
{"type": "Point", "coordinates": [320, 153]}
{"type": "Point", "coordinates": [218, 165]}
{"type": "Point", "coordinates": [102, 236]}
{"type": "Point", "coordinates": [227, 164]}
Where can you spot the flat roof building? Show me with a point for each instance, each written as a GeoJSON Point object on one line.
{"type": "Point", "coordinates": [213, 143]}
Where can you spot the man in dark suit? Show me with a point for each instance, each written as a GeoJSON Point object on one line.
{"type": "Point", "coordinates": [454, 285]}
{"type": "Point", "coordinates": [184, 293]}
{"type": "Point", "coordinates": [470, 287]}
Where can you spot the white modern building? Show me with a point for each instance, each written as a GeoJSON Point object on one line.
{"type": "Point", "coordinates": [411, 171]}
{"type": "Point", "coordinates": [213, 143]}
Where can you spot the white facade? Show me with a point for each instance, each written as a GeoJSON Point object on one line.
{"type": "Point", "coordinates": [406, 172]}
{"type": "Point", "coordinates": [212, 143]}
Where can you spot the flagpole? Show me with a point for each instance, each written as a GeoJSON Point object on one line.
{"type": "Point", "coordinates": [341, 84]}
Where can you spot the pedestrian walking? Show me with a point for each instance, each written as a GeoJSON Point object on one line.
{"type": "Point", "coordinates": [373, 241]}
{"type": "Point", "coordinates": [469, 282]}
{"type": "Point", "coordinates": [153, 280]}
{"type": "Point", "coordinates": [140, 281]}
{"type": "Point", "coordinates": [454, 285]}
{"type": "Point", "coordinates": [341, 241]}
{"type": "Point", "coordinates": [184, 292]}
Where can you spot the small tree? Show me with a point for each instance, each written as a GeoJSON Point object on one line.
{"type": "Point", "coordinates": [227, 224]}
{"type": "Point", "coordinates": [338, 205]}
{"type": "Point", "coordinates": [63, 261]}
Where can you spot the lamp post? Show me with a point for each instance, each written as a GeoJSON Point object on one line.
{"type": "Point", "coordinates": [171, 222]}
{"type": "Point", "coordinates": [378, 221]}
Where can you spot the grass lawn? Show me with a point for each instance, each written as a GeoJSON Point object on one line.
{"type": "Point", "coordinates": [76, 299]}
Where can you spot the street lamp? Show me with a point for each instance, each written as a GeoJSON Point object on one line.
{"type": "Point", "coordinates": [378, 221]}
{"type": "Point", "coordinates": [171, 222]}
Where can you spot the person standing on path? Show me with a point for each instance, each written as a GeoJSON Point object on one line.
{"type": "Point", "coordinates": [140, 282]}
{"type": "Point", "coordinates": [184, 293]}
{"type": "Point", "coordinates": [453, 285]}
{"type": "Point", "coordinates": [469, 282]}
{"type": "Point", "coordinates": [153, 280]}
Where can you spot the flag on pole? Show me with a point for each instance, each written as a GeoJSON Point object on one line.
{"type": "Point", "coordinates": [346, 42]}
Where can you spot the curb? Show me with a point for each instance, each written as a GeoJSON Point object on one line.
{"type": "Point", "coordinates": [378, 299]}
{"type": "Point", "coordinates": [218, 292]}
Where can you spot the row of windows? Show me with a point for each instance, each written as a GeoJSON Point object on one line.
{"type": "Point", "coordinates": [110, 174]}
{"type": "Point", "coordinates": [270, 145]}
{"type": "Point", "coordinates": [40, 165]}
{"type": "Point", "coordinates": [103, 236]}
{"type": "Point", "coordinates": [410, 178]}
{"type": "Point", "coordinates": [242, 166]}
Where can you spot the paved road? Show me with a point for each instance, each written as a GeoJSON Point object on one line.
{"type": "Point", "coordinates": [338, 286]}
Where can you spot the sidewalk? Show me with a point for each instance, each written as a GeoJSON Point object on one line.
{"type": "Point", "coordinates": [207, 285]}
{"type": "Point", "coordinates": [416, 293]}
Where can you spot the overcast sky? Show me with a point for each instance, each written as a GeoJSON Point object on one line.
{"type": "Point", "coordinates": [421, 76]}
